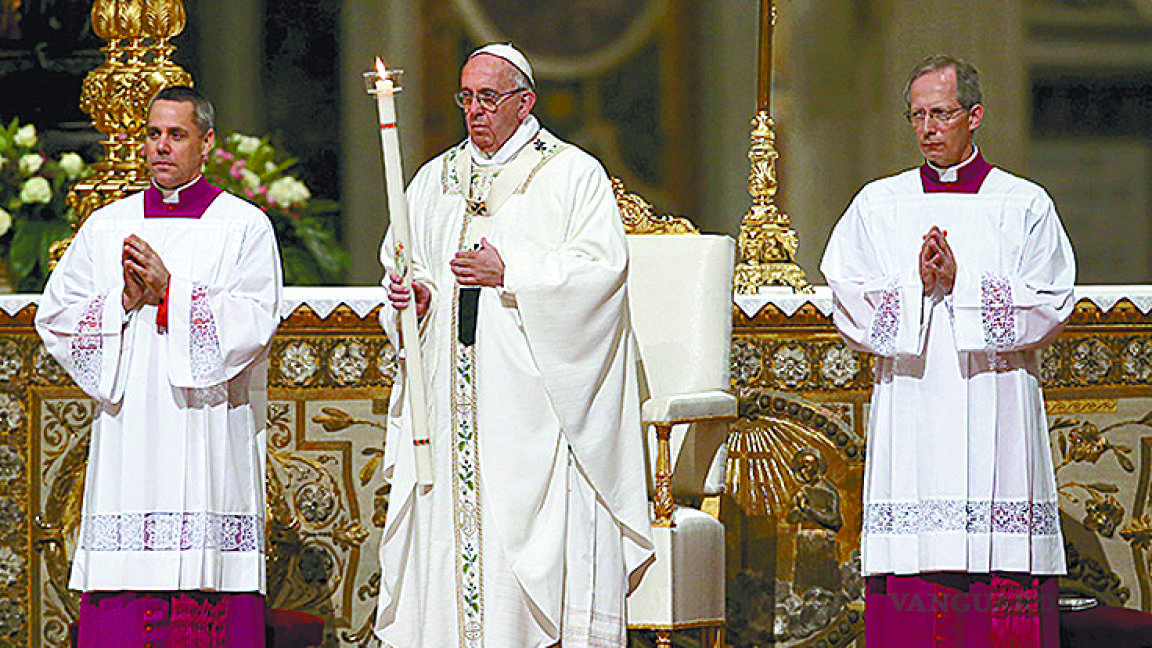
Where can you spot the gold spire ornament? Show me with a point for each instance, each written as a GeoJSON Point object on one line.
{"type": "Point", "coordinates": [767, 241]}
{"type": "Point", "coordinates": [137, 65]}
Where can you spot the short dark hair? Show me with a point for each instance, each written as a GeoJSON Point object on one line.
{"type": "Point", "coordinates": [967, 79]}
{"type": "Point", "coordinates": [202, 111]}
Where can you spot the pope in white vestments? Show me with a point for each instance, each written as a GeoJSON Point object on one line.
{"type": "Point", "coordinates": [536, 526]}
{"type": "Point", "coordinates": [953, 275]}
{"type": "Point", "coordinates": [161, 310]}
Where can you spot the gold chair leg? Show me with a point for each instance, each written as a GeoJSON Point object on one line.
{"type": "Point", "coordinates": [712, 637]}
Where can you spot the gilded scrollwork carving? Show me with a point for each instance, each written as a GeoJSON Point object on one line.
{"type": "Point", "coordinates": [62, 451]}
{"type": "Point", "coordinates": [639, 217]}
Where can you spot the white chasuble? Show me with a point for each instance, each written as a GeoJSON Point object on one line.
{"type": "Point", "coordinates": [959, 475]}
{"type": "Point", "coordinates": [538, 515]}
{"type": "Point", "coordinates": [174, 493]}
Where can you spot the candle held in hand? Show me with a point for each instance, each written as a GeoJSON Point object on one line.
{"type": "Point", "coordinates": [385, 90]}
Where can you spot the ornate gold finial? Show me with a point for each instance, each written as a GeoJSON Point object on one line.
{"type": "Point", "coordinates": [767, 241]}
{"type": "Point", "coordinates": [137, 65]}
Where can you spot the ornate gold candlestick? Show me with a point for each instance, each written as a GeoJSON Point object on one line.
{"type": "Point", "coordinates": [767, 241]}
{"type": "Point", "coordinates": [137, 65]}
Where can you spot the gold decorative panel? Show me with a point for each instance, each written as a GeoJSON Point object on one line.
{"type": "Point", "coordinates": [329, 381]}
{"type": "Point", "coordinates": [792, 511]}
{"type": "Point", "coordinates": [801, 388]}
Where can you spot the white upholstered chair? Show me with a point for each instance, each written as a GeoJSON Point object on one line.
{"type": "Point", "coordinates": [680, 297]}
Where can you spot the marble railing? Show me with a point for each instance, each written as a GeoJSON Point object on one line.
{"type": "Point", "coordinates": [330, 373]}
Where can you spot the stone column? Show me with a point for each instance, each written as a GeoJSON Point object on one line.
{"type": "Point", "coordinates": [231, 59]}
{"type": "Point", "coordinates": [727, 100]}
{"type": "Point", "coordinates": [391, 30]}
{"type": "Point", "coordinates": [838, 97]}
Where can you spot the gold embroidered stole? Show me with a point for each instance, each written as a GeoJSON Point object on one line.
{"type": "Point", "coordinates": [484, 193]}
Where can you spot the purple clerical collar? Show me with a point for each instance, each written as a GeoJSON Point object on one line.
{"type": "Point", "coordinates": [191, 201]}
{"type": "Point", "coordinates": [969, 176]}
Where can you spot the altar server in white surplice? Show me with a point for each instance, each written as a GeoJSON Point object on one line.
{"type": "Point", "coordinates": [161, 310]}
{"type": "Point", "coordinates": [536, 527]}
{"type": "Point", "coordinates": [954, 274]}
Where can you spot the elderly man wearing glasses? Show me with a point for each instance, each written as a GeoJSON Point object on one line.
{"type": "Point", "coordinates": [537, 525]}
{"type": "Point", "coordinates": [954, 274]}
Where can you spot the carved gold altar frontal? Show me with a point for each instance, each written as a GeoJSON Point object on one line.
{"type": "Point", "coordinates": [795, 465]}
{"type": "Point", "coordinates": [330, 373]}
{"type": "Point", "coordinates": [796, 457]}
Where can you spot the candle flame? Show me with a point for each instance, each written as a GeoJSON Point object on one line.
{"type": "Point", "coordinates": [381, 71]}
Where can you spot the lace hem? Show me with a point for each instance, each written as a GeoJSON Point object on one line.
{"type": "Point", "coordinates": [984, 516]}
{"type": "Point", "coordinates": [205, 357]}
{"type": "Point", "coordinates": [593, 629]}
{"type": "Point", "coordinates": [87, 349]}
{"type": "Point", "coordinates": [996, 311]}
{"type": "Point", "coordinates": [172, 532]}
{"type": "Point", "coordinates": [886, 322]}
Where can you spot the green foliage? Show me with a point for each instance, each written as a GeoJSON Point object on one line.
{"type": "Point", "coordinates": [249, 167]}
{"type": "Point", "coordinates": [33, 210]}
{"type": "Point", "coordinates": [34, 213]}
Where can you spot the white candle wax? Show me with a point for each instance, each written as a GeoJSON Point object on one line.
{"type": "Point", "coordinates": [402, 240]}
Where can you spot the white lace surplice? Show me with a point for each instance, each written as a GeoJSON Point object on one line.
{"type": "Point", "coordinates": [174, 494]}
{"type": "Point", "coordinates": [959, 475]}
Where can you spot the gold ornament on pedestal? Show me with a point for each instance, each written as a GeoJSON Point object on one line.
{"type": "Point", "coordinates": [137, 65]}
{"type": "Point", "coordinates": [767, 241]}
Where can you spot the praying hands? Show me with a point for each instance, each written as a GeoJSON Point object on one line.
{"type": "Point", "coordinates": [145, 276]}
{"type": "Point", "coordinates": [937, 263]}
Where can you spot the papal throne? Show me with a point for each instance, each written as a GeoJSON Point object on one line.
{"type": "Point", "coordinates": [680, 298]}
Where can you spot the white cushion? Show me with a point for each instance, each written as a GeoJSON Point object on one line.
{"type": "Point", "coordinates": [685, 586]}
{"type": "Point", "coordinates": [696, 406]}
{"type": "Point", "coordinates": [680, 298]}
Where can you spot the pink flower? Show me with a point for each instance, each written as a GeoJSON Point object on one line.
{"type": "Point", "coordinates": [224, 155]}
{"type": "Point", "coordinates": [237, 167]}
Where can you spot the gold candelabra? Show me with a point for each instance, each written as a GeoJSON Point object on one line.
{"type": "Point", "coordinates": [137, 65]}
{"type": "Point", "coordinates": [767, 241]}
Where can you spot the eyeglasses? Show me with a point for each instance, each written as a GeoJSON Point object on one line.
{"type": "Point", "coordinates": [938, 115]}
{"type": "Point", "coordinates": [488, 99]}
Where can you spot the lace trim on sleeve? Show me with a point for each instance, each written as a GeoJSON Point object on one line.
{"type": "Point", "coordinates": [997, 312]}
{"type": "Point", "coordinates": [886, 322]}
{"type": "Point", "coordinates": [203, 337]}
{"type": "Point", "coordinates": [87, 352]}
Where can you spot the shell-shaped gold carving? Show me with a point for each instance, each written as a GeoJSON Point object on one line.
{"type": "Point", "coordinates": [128, 18]}
{"type": "Point", "coordinates": [164, 18]}
{"type": "Point", "coordinates": [104, 19]}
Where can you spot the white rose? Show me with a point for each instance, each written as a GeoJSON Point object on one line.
{"type": "Point", "coordinates": [26, 136]}
{"type": "Point", "coordinates": [250, 180]}
{"type": "Point", "coordinates": [72, 164]}
{"type": "Point", "coordinates": [288, 191]}
{"type": "Point", "coordinates": [30, 163]}
{"type": "Point", "coordinates": [36, 190]}
{"type": "Point", "coordinates": [245, 145]}
{"type": "Point", "coordinates": [269, 167]}
{"type": "Point", "coordinates": [5, 222]}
